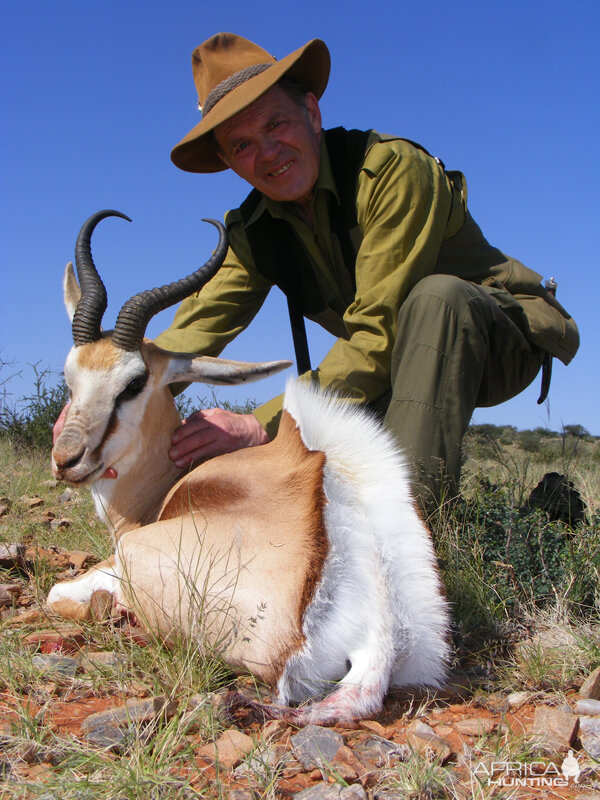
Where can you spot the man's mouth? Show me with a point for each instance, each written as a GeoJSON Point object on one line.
{"type": "Point", "coordinates": [280, 170]}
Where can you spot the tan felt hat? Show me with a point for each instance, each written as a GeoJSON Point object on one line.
{"type": "Point", "coordinates": [231, 72]}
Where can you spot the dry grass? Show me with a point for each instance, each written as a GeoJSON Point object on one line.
{"type": "Point", "coordinates": [544, 643]}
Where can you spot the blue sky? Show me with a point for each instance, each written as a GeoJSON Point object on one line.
{"type": "Point", "coordinates": [94, 95]}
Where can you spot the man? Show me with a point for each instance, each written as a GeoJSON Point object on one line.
{"type": "Point", "coordinates": [370, 236]}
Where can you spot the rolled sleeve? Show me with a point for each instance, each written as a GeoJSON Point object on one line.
{"type": "Point", "coordinates": [209, 319]}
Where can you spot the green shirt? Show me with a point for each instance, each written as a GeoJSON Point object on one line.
{"type": "Point", "coordinates": [412, 222]}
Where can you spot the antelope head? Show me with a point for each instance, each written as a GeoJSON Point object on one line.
{"type": "Point", "coordinates": [121, 408]}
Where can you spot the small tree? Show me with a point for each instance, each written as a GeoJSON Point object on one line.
{"type": "Point", "coordinates": [577, 431]}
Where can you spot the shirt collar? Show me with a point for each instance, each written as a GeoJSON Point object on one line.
{"type": "Point", "coordinates": [325, 182]}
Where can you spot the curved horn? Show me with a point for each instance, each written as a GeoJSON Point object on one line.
{"type": "Point", "coordinates": [138, 310]}
{"type": "Point", "coordinates": [92, 305]}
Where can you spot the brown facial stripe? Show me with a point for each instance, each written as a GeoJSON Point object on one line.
{"type": "Point", "coordinates": [109, 430]}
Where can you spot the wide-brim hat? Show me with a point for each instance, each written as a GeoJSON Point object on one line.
{"type": "Point", "coordinates": [231, 72]}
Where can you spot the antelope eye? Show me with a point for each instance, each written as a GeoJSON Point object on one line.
{"type": "Point", "coordinates": [133, 388]}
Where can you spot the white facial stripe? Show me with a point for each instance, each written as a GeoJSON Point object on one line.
{"type": "Point", "coordinates": [94, 392]}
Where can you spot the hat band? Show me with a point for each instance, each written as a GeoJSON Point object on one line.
{"type": "Point", "coordinates": [230, 83]}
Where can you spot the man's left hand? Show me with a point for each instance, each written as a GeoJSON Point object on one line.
{"type": "Point", "coordinates": [214, 431]}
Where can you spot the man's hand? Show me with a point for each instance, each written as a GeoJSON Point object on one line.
{"type": "Point", "coordinates": [214, 431]}
{"type": "Point", "coordinates": [60, 423]}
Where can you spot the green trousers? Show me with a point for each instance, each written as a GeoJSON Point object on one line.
{"type": "Point", "coordinates": [456, 349]}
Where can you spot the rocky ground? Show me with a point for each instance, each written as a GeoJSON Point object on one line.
{"type": "Point", "coordinates": [453, 744]}
{"type": "Point", "coordinates": [74, 704]}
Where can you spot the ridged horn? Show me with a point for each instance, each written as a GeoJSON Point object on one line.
{"type": "Point", "coordinates": [92, 305]}
{"type": "Point", "coordinates": [137, 311]}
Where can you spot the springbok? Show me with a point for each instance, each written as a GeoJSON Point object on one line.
{"type": "Point", "coordinates": [303, 561]}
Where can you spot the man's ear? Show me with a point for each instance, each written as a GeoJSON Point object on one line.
{"type": "Point", "coordinates": [313, 111]}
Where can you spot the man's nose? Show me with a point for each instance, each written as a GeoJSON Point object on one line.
{"type": "Point", "coordinates": [268, 149]}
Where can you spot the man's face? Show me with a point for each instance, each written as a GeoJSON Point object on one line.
{"type": "Point", "coordinates": [274, 145]}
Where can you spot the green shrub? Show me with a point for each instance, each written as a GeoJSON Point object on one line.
{"type": "Point", "coordinates": [530, 441]}
{"type": "Point", "coordinates": [577, 431]}
{"type": "Point", "coordinates": [548, 451]}
{"type": "Point", "coordinates": [498, 559]}
{"type": "Point", "coordinates": [508, 435]}
{"type": "Point", "coordinates": [187, 405]}
{"type": "Point", "coordinates": [546, 433]}
{"type": "Point", "coordinates": [29, 422]}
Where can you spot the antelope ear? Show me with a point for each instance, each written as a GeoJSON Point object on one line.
{"type": "Point", "coordinates": [218, 371]}
{"type": "Point", "coordinates": [71, 290]}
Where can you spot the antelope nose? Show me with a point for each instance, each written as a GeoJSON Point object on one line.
{"type": "Point", "coordinates": [64, 461]}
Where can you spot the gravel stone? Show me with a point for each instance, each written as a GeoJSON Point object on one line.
{"type": "Point", "coordinates": [9, 592]}
{"type": "Point", "coordinates": [382, 752]}
{"type": "Point", "coordinates": [517, 699]}
{"type": "Point", "coordinates": [229, 749]}
{"type": "Point", "coordinates": [12, 555]}
{"type": "Point", "coordinates": [332, 791]}
{"type": "Point", "coordinates": [591, 708]}
{"type": "Point", "coordinates": [315, 747]}
{"type": "Point", "coordinates": [67, 496]}
{"type": "Point", "coordinates": [476, 726]}
{"type": "Point", "coordinates": [116, 728]}
{"type": "Point", "coordinates": [64, 665]}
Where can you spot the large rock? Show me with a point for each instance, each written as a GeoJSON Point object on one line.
{"type": "Point", "coordinates": [590, 736]}
{"type": "Point", "coordinates": [557, 496]}
{"type": "Point", "coordinates": [347, 764]}
{"type": "Point", "coordinates": [553, 730]}
{"type": "Point", "coordinates": [590, 688]}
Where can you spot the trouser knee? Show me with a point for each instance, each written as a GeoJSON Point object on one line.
{"type": "Point", "coordinates": [454, 292]}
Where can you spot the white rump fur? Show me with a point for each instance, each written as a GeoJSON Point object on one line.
{"type": "Point", "coordinates": [379, 604]}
